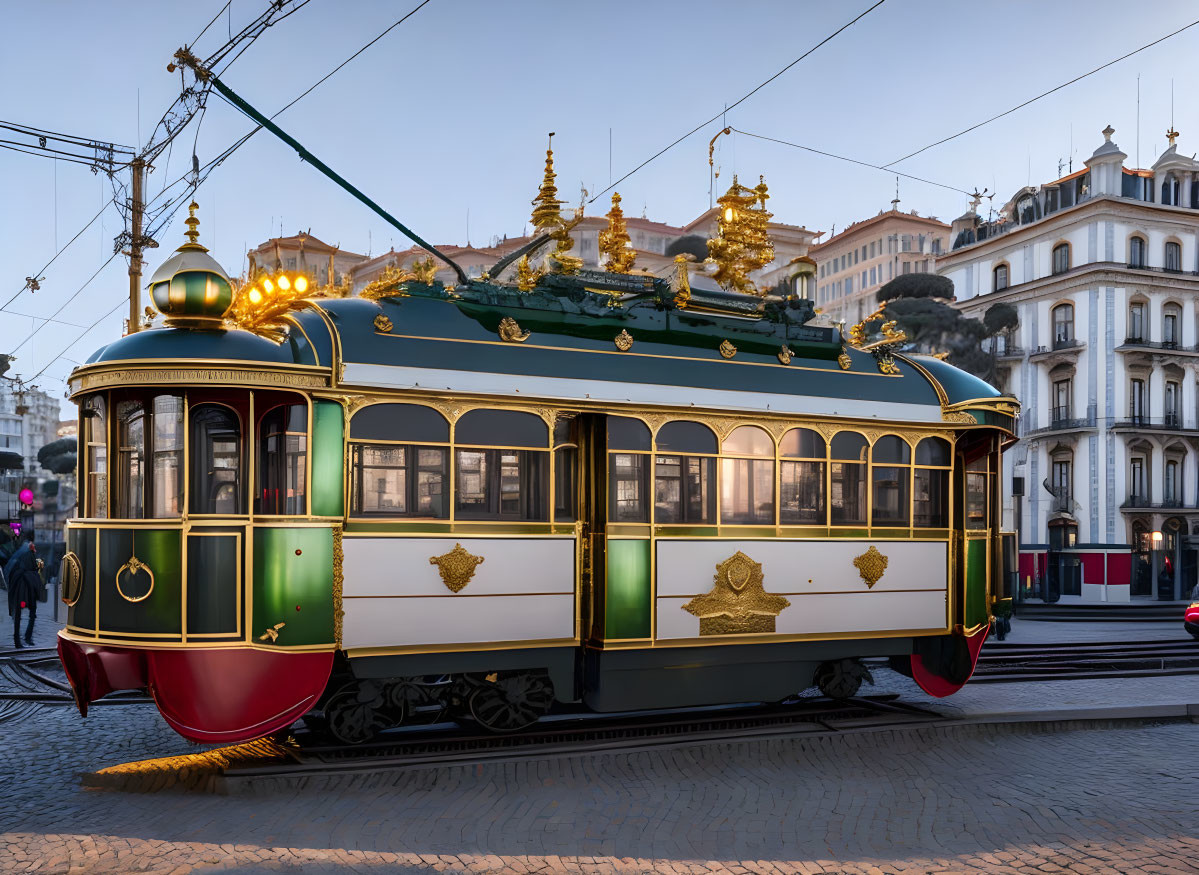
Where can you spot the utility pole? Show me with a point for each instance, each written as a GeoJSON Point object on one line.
{"type": "Point", "coordinates": [138, 167]}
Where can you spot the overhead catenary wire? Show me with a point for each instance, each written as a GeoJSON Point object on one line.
{"type": "Point", "coordinates": [78, 292]}
{"type": "Point", "coordinates": [38, 273]}
{"type": "Point", "coordinates": [739, 100]}
{"type": "Point", "coordinates": [881, 167]}
{"type": "Point", "coordinates": [1031, 100]}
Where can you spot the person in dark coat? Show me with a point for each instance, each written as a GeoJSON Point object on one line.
{"type": "Point", "coordinates": [23, 583]}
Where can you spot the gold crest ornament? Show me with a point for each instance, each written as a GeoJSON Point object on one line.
{"type": "Point", "coordinates": [871, 565]}
{"type": "Point", "coordinates": [456, 567]}
{"type": "Point", "coordinates": [680, 283]}
{"type": "Point", "coordinates": [890, 339]}
{"type": "Point", "coordinates": [382, 323]}
{"type": "Point", "coordinates": [614, 241]}
{"type": "Point", "coordinates": [737, 603]}
{"type": "Point", "coordinates": [387, 284]}
{"type": "Point", "coordinates": [785, 355]}
{"type": "Point", "coordinates": [844, 360]}
{"type": "Point", "coordinates": [742, 244]}
{"type": "Point", "coordinates": [526, 277]}
{"type": "Point", "coordinates": [727, 350]}
{"type": "Point", "coordinates": [511, 332]}
{"type": "Point", "coordinates": [425, 271]}
{"type": "Point", "coordinates": [134, 566]}
{"type": "Point", "coordinates": [623, 341]}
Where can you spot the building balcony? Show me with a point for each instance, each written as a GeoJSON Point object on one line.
{"type": "Point", "coordinates": [1137, 422]}
{"type": "Point", "coordinates": [1062, 502]}
{"type": "Point", "coordinates": [1142, 502]}
{"type": "Point", "coordinates": [1170, 270]}
{"type": "Point", "coordinates": [1138, 344]}
{"type": "Point", "coordinates": [1060, 422]}
{"type": "Point", "coordinates": [1063, 346]}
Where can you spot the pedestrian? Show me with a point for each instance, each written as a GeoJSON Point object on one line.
{"type": "Point", "coordinates": [21, 573]}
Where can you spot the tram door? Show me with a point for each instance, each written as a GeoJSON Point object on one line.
{"type": "Point", "coordinates": [593, 506]}
{"type": "Point", "coordinates": [976, 476]}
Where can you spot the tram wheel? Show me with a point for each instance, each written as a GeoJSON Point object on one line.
{"type": "Point", "coordinates": [841, 678]}
{"type": "Point", "coordinates": [509, 703]}
{"type": "Point", "coordinates": [354, 713]}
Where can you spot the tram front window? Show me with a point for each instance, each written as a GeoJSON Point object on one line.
{"type": "Point", "coordinates": [95, 431]}
{"type": "Point", "coordinates": [216, 460]}
{"type": "Point", "coordinates": [149, 453]}
{"type": "Point", "coordinates": [282, 460]}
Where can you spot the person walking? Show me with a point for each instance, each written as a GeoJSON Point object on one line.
{"type": "Point", "coordinates": [21, 572]}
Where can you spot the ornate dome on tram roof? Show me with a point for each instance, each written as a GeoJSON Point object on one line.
{"type": "Point", "coordinates": [191, 287]}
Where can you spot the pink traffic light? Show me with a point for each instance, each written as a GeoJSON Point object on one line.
{"type": "Point", "coordinates": [26, 495]}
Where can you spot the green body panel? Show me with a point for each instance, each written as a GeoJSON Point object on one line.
{"type": "Point", "coordinates": [82, 542]}
{"type": "Point", "coordinates": [976, 583]}
{"type": "Point", "coordinates": [285, 579]}
{"type": "Point", "coordinates": [212, 597]}
{"type": "Point", "coordinates": [328, 453]}
{"type": "Point", "coordinates": [629, 593]}
{"type": "Point", "coordinates": [162, 610]}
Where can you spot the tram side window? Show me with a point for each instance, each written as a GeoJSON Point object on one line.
{"type": "Point", "coordinates": [282, 460]}
{"type": "Point", "coordinates": [149, 458]}
{"type": "Point", "coordinates": [566, 469]}
{"type": "Point", "coordinates": [747, 484]}
{"type": "Point", "coordinates": [508, 482]}
{"type": "Point", "coordinates": [802, 464]}
{"type": "Point", "coordinates": [216, 475]}
{"type": "Point", "coordinates": [931, 487]}
{"type": "Point", "coordinates": [891, 475]}
{"type": "Point", "coordinates": [847, 479]}
{"type": "Point", "coordinates": [977, 483]}
{"type": "Point", "coordinates": [95, 430]}
{"type": "Point", "coordinates": [685, 474]}
{"type": "Point", "coordinates": [629, 448]}
{"type": "Point", "coordinates": [409, 474]}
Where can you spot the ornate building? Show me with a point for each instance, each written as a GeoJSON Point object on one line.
{"type": "Point", "coordinates": [1102, 267]}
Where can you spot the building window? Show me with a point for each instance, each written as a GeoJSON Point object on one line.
{"type": "Point", "coordinates": [1063, 324]}
{"type": "Point", "coordinates": [1136, 322]}
{"type": "Point", "coordinates": [1061, 401]}
{"type": "Point", "coordinates": [1170, 407]}
{"type": "Point", "coordinates": [1173, 257]}
{"type": "Point", "coordinates": [1136, 252]}
{"type": "Point", "coordinates": [1170, 493]}
{"type": "Point", "coordinates": [1136, 483]}
{"type": "Point", "coordinates": [1001, 278]}
{"type": "Point", "coordinates": [1171, 318]}
{"type": "Point", "coordinates": [1061, 258]}
{"type": "Point", "coordinates": [1170, 191]}
{"type": "Point", "coordinates": [1062, 484]}
{"type": "Point", "coordinates": [1136, 402]}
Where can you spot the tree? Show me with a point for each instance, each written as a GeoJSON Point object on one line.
{"type": "Point", "coordinates": [691, 244]}
{"type": "Point", "coordinates": [1000, 319]}
{"type": "Point", "coordinates": [59, 456]}
{"type": "Point", "coordinates": [917, 285]}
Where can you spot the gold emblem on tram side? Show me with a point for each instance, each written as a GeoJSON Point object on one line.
{"type": "Point", "coordinates": [623, 341]}
{"type": "Point", "coordinates": [272, 633]}
{"type": "Point", "coordinates": [382, 323]}
{"type": "Point", "coordinates": [456, 567]}
{"type": "Point", "coordinates": [959, 416]}
{"type": "Point", "coordinates": [727, 350]}
{"type": "Point", "coordinates": [785, 355]}
{"type": "Point", "coordinates": [872, 565]}
{"type": "Point", "coordinates": [886, 364]}
{"type": "Point", "coordinates": [844, 360]}
{"type": "Point", "coordinates": [70, 572]}
{"type": "Point", "coordinates": [511, 332]}
{"type": "Point", "coordinates": [737, 603]}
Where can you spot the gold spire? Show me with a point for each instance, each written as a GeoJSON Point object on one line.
{"type": "Point", "coordinates": [614, 241]}
{"type": "Point", "coordinates": [192, 235]}
{"type": "Point", "coordinates": [547, 212]}
{"type": "Point", "coordinates": [742, 243]}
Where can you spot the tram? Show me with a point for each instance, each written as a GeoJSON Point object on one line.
{"type": "Point", "coordinates": [575, 486]}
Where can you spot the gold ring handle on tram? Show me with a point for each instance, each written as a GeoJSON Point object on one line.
{"type": "Point", "coordinates": [70, 572]}
{"type": "Point", "coordinates": [133, 566]}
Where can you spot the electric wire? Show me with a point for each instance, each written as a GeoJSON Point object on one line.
{"type": "Point", "coordinates": [851, 160]}
{"type": "Point", "coordinates": [37, 274]}
{"type": "Point", "coordinates": [1042, 94]}
{"type": "Point", "coordinates": [200, 36]}
{"type": "Point", "coordinates": [121, 303]}
{"type": "Point", "coordinates": [79, 291]}
{"type": "Point", "coordinates": [740, 100]}
{"type": "Point", "coordinates": [19, 128]}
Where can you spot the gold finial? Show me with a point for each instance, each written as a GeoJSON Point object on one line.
{"type": "Point", "coordinates": [742, 243]}
{"type": "Point", "coordinates": [192, 235]}
{"type": "Point", "coordinates": [1171, 135]}
{"type": "Point", "coordinates": [614, 240]}
{"type": "Point", "coordinates": [547, 212]}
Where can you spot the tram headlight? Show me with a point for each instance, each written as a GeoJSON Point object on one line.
{"type": "Point", "coordinates": [255, 296]}
{"type": "Point", "coordinates": [268, 286]}
{"type": "Point", "coordinates": [284, 282]}
{"type": "Point", "coordinates": [301, 284]}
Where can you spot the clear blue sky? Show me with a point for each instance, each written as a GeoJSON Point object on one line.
{"type": "Point", "coordinates": [448, 114]}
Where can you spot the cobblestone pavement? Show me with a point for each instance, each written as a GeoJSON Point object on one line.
{"type": "Point", "coordinates": [1003, 800]}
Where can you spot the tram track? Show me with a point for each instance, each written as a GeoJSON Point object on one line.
{"type": "Point", "coordinates": [1003, 662]}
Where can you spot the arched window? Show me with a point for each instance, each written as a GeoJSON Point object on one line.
{"type": "Point", "coordinates": [1136, 322]}
{"type": "Point", "coordinates": [802, 465]}
{"type": "Point", "coordinates": [1061, 258]}
{"type": "Point", "coordinates": [629, 445]}
{"type": "Point", "coordinates": [504, 474]}
{"type": "Point", "coordinates": [1061, 480]}
{"type": "Point", "coordinates": [1173, 256]}
{"type": "Point", "coordinates": [1171, 489]}
{"type": "Point", "coordinates": [94, 429]}
{"type": "Point", "coordinates": [1063, 324]}
{"type": "Point", "coordinates": [747, 484]}
{"type": "Point", "coordinates": [216, 460]}
{"type": "Point", "coordinates": [1000, 278]}
{"type": "Point", "coordinates": [282, 460]}
{"type": "Point", "coordinates": [1136, 251]}
{"type": "Point", "coordinates": [847, 479]}
{"type": "Point", "coordinates": [931, 484]}
{"type": "Point", "coordinates": [890, 472]}
{"type": "Point", "coordinates": [684, 482]}
{"type": "Point", "coordinates": [399, 461]}
{"type": "Point", "coordinates": [149, 457]}
{"type": "Point", "coordinates": [1171, 325]}
{"type": "Point", "coordinates": [1171, 406]}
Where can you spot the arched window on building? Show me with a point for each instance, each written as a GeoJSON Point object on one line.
{"type": "Point", "coordinates": [1171, 326]}
{"type": "Point", "coordinates": [1061, 258]}
{"type": "Point", "coordinates": [1136, 322]}
{"type": "Point", "coordinates": [1136, 251]}
{"type": "Point", "coordinates": [1001, 278]}
{"type": "Point", "coordinates": [1173, 256]}
{"type": "Point", "coordinates": [1063, 324]}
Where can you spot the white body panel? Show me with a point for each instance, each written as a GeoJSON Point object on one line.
{"type": "Point", "coordinates": [482, 383]}
{"type": "Point", "coordinates": [825, 588]}
{"type": "Point", "coordinates": [394, 597]}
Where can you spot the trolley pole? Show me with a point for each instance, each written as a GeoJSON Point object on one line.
{"type": "Point", "coordinates": [135, 246]}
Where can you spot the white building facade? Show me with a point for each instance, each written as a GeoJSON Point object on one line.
{"type": "Point", "coordinates": [1102, 268]}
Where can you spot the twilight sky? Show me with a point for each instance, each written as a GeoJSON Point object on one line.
{"type": "Point", "coordinates": [446, 118]}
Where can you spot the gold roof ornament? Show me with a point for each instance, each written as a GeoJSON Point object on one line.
{"type": "Point", "coordinates": [386, 285]}
{"type": "Point", "coordinates": [425, 271]}
{"type": "Point", "coordinates": [547, 209]}
{"type": "Point", "coordinates": [614, 241]}
{"type": "Point", "coordinates": [526, 277]}
{"type": "Point", "coordinates": [680, 283]}
{"type": "Point", "coordinates": [890, 339]}
{"type": "Point", "coordinates": [193, 224]}
{"type": "Point", "coordinates": [742, 243]}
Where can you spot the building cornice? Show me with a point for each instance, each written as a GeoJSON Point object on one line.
{"type": "Point", "coordinates": [1100, 273]}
